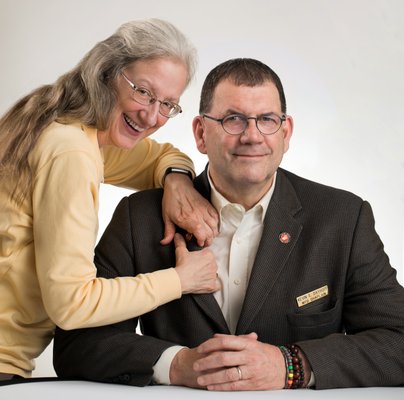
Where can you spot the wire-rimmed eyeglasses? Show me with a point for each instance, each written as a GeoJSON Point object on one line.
{"type": "Point", "coordinates": [143, 96]}
{"type": "Point", "coordinates": [236, 124]}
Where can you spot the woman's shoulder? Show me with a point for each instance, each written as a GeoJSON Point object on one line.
{"type": "Point", "coordinates": [68, 137]}
{"type": "Point", "coordinates": [59, 139]}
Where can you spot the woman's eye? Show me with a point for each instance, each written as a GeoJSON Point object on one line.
{"type": "Point", "coordinates": [144, 92]}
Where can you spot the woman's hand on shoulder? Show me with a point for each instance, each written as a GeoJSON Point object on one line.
{"type": "Point", "coordinates": [185, 207]}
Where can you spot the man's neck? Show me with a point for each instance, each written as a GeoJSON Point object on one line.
{"type": "Point", "coordinates": [245, 195]}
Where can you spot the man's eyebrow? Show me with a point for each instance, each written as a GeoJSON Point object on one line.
{"type": "Point", "coordinates": [231, 111]}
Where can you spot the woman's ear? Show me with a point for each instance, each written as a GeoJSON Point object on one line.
{"type": "Point", "coordinates": [198, 127]}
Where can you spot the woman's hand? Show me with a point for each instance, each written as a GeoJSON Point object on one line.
{"type": "Point", "coordinates": [197, 269]}
{"type": "Point", "coordinates": [185, 207]}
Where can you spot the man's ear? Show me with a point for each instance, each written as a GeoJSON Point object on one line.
{"type": "Point", "coordinates": [287, 130]}
{"type": "Point", "coordinates": [198, 127]}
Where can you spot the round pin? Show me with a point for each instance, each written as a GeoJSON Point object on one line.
{"type": "Point", "coordinates": [284, 237]}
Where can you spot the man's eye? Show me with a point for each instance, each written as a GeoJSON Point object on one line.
{"type": "Point", "coordinates": [235, 118]}
{"type": "Point", "coordinates": [268, 118]}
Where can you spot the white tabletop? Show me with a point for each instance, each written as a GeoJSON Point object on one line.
{"type": "Point", "coordinates": [78, 390]}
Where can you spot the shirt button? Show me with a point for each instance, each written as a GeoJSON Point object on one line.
{"type": "Point", "coordinates": [237, 282]}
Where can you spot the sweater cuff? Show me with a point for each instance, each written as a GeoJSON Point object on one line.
{"type": "Point", "coordinates": [167, 284]}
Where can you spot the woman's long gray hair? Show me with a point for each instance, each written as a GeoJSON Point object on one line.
{"type": "Point", "coordinates": [86, 93]}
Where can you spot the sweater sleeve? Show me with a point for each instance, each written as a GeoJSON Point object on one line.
{"type": "Point", "coordinates": [65, 204]}
{"type": "Point", "coordinates": [144, 166]}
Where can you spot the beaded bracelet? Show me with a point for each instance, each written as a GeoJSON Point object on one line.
{"type": "Point", "coordinates": [289, 366]}
{"type": "Point", "coordinates": [294, 366]}
{"type": "Point", "coordinates": [298, 369]}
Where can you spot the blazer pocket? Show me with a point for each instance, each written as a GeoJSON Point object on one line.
{"type": "Point", "coordinates": [315, 319]}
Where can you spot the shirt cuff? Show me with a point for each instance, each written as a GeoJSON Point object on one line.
{"type": "Point", "coordinates": [312, 380]}
{"type": "Point", "coordinates": [161, 369]}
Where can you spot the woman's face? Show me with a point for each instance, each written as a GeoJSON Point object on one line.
{"type": "Point", "coordinates": [130, 122]}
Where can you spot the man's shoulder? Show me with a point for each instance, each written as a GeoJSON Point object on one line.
{"type": "Point", "coordinates": [147, 197]}
{"type": "Point", "coordinates": [312, 192]}
{"type": "Point", "coordinates": [142, 207]}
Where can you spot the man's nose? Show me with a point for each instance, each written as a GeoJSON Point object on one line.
{"type": "Point", "coordinates": [251, 132]}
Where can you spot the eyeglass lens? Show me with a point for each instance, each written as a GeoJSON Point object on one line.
{"type": "Point", "coordinates": [143, 96]}
{"type": "Point", "coordinates": [266, 124]}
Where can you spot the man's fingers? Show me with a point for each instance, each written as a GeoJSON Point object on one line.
{"type": "Point", "coordinates": [251, 335]}
{"type": "Point", "coordinates": [226, 342]}
{"type": "Point", "coordinates": [220, 360]}
{"type": "Point", "coordinates": [223, 376]}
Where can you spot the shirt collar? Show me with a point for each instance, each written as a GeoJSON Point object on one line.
{"type": "Point", "coordinates": [219, 201]}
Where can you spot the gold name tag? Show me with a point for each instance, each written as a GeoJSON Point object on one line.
{"type": "Point", "coordinates": [312, 296]}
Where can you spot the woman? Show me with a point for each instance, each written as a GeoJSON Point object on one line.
{"type": "Point", "coordinates": [56, 146]}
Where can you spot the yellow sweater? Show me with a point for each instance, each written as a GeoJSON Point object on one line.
{"type": "Point", "coordinates": [47, 275]}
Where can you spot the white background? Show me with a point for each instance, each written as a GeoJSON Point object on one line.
{"type": "Point", "coordinates": [341, 63]}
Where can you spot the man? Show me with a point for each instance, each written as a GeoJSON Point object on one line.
{"type": "Point", "coordinates": [299, 263]}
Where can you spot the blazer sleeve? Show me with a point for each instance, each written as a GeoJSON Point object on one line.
{"type": "Point", "coordinates": [370, 351]}
{"type": "Point", "coordinates": [112, 353]}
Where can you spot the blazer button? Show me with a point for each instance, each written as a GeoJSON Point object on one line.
{"type": "Point", "coordinates": [125, 378]}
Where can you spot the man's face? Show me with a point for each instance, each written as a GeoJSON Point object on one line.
{"type": "Point", "coordinates": [245, 162]}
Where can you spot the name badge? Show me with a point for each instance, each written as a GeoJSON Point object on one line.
{"type": "Point", "coordinates": [312, 296]}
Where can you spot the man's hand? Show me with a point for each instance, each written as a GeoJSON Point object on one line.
{"type": "Point", "coordinates": [230, 362]}
{"type": "Point", "coordinates": [197, 269]}
{"type": "Point", "coordinates": [181, 369]}
{"type": "Point", "coordinates": [185, 207]}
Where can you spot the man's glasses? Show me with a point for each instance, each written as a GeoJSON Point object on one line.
{"type": "Point", "coordinates": [143, 96]}
{"type": "Point", "coordinates": [236, 124]}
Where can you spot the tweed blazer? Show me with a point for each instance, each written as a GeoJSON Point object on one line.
{"type": "Point", "coordinates": [320, 279]}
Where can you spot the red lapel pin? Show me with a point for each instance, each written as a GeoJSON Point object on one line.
{"type": "Point", "coordinates": [284, 237]}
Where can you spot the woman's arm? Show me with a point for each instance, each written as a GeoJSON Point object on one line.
{"type": "Point", "coordinates": [144, 167]}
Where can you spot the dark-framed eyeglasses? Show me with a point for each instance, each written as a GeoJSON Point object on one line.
{"type": "Point", "coordinates": [236, 124]}
{"type": "Point", "coordinates": [143, 96]}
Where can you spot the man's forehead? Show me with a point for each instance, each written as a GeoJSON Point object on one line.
{"type": "Point", "coordinates": [228, 94]}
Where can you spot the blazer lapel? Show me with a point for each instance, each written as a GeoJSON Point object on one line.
{"type": "Point", "coordinates": [206, 302]}
{"type": "Point", "coordinates": [280, 234]}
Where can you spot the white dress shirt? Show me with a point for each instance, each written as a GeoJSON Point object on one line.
{"type": "Point", "coordinates": [235, 248]}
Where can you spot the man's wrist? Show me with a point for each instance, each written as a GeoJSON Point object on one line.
{"type": "Point", "coordinates": [175, 367]}
{"type": "Point", "coordinates": [162, 367]}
